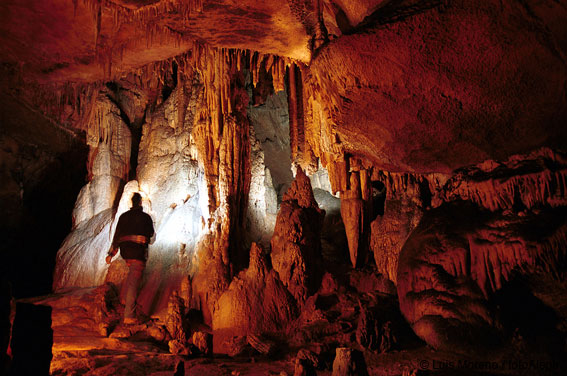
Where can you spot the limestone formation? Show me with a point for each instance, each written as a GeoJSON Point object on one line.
{"type": "Point", "coordinates": [261, 344]}
{"type": "Point", "coordinates": [75, 265]}
{"type": "Point", "coordinates": [175, 324]}
{"type": "Point", "coordinates": [355, 218]}
{"type": "Point", "coordinates": [262, 204]}
{"type": "Point", "coordinates": [296, 243]}
{"type": "Point", "coordinates": [424, 90]}
{"type": "Point", "coordinates": [109, 140]}
{"type": "Point", "coordinates": [390, 231]}
{"type": "Point", "coordinates": [81, 259]}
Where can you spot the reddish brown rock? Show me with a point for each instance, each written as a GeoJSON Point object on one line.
{"type": "Point", "coordinates": [77, 40]}
{"type": "Point", "coordinates": [296, 243]}
{"type": "Point", "coordinates": [437, 88]}
{"type": "Point", "coordinates": [374, 332]}
{"type": "Point", "coordinates": [174, 322]}
{"type": "Point", "coordinates": [352, 212]}
{"type": "Point", "coordinates": [389, 233]}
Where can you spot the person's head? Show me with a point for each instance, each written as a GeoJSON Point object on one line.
{"type": "Point", "coordinates": [136, 200]}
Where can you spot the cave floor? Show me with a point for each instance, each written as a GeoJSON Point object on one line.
{"type": "Point", "coordinates": [88, 339]}
{"type": "Point", "coordinates": [143, 358]}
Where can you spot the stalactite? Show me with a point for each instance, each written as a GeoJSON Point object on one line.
{"type": "Point", "coordinates": [278, 74]}
{"type": "Point", "coordinates": [527, 183]}
{"type": "Point", "coordinates": [338, 175]}
{"type": "Point", "coordinates": [293, 116]}
{"type": "Point", "coordinates": [353, 215]}
{"type": "Point", "coordinates": [301, 151]}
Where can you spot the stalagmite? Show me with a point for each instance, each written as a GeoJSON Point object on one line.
{"type": "Point", "coordinates": [296, 243]}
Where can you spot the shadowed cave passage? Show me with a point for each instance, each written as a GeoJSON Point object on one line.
{"type": "Point", "coordinates": [42, 171]}
{"type": "Point", "coordinates": [337, 187]}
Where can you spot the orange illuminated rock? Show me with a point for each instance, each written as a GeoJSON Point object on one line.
{"type": "Point", "coordinates": [91, 40]}
{"type": "Point", "coordinates": [173, 98]}
{"type": "Point", "coordinates": [354, 218]}
{"type": "Point", "coordinates": [349, 362]}
{"type": "Point", "coordinates": [255, 302]}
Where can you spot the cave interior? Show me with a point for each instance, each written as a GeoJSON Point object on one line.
{"type": "Point", "coordinates": [345, 187]}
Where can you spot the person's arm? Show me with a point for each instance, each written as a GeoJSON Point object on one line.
{"type": "Point", "coordinates": [151, 232]}
{"type": "Point", "coordinates": [114, 247]}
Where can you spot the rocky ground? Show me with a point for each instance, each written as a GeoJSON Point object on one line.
{"type": "Point", "coordinates": [351, 326]}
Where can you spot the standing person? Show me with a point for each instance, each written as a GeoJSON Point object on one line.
{"type": "Point", "coordinates": [133, 234]}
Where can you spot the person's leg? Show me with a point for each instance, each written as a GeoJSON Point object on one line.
{"type": "Point", "coordinates": [135, 270]}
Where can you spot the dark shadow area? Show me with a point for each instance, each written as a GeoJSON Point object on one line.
{"type": "Point", "coordinates": [5, 325]}
{"type": "Point", "coordinates": [378, 199]}
{"type": "Point", "coordinates": [47, 207]}
{"type": "Point", "coordinates": [170, 82]}
{"type": "Point", "coordinates": [334, 244]}
{"type": "Point", "coordinates": [396, 11]}
{"type": "Point", "coordinates": [531, 324]}
{"type": "Point", "coordinates": [32, 339]}
{"type": "Point", "coordinates": [43, 170]}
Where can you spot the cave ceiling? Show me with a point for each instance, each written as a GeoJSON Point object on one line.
{"type": "Point", "coordinates": [59, 40]}
{"type": "Point", "coordinates": [422, 86]}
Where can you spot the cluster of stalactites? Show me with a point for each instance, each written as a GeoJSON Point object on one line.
{"type": "Point", "coordinates": [493, 260]}
{"type": "Point", "coordinates": [67, 103]}
{"type": "Point", "coordinates": [110, 58]}
{"type": "Point", "coordinates": [537, 179]}
{"type": "Point", "coordinates": [301, 138]}
{"type": "Point", "coordinates": [146, 17]}
{"type": "Point", "coordinates": [521, 183]}
{"type": "Point", "coordinates": [217, 67]}
{"type": "Point", "coordinates": [221, 71]}
{"type": "Point", "coordinates": [142, 15]}
{"type": "Point", "coordinates": [72, 102]}
{"type": "Point", "coordinates": [411, 186]}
